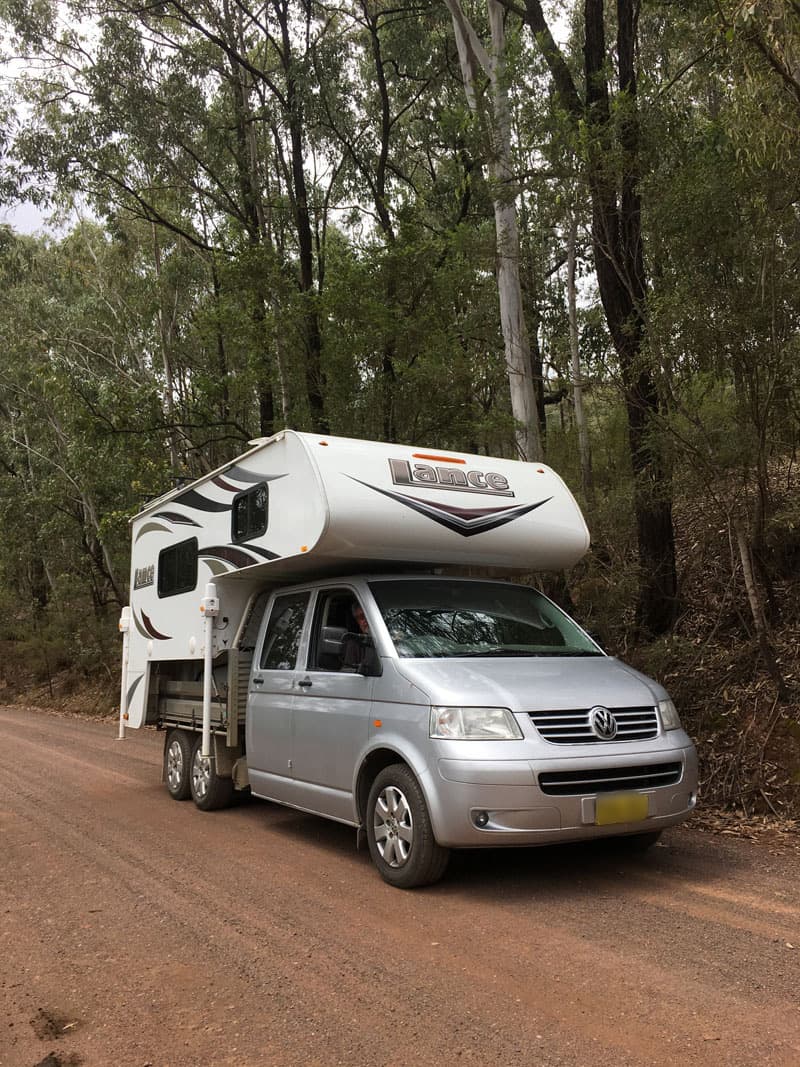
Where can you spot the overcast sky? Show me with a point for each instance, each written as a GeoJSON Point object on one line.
{"type": "Point", "coordinates": [25, 218]}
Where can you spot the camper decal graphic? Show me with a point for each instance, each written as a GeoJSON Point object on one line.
{"type": "Point", "coordinates": [149, 630]}
{"type": "Point", "coordinates": [192, 499]}
{"type": "Point", "coordinates": [236, 556]}
{"type": "Point", "coordinates": [216, 567]}
{"type": "Point", "coordinates": [176, 517]}
{"type": "Point", "coordinates": [225, 485]}
{"type": "Point", "coordinates": [231, 555]}
{"type": "Point", "coordinates": [151, 527]}
{"type": "Point", "coordinates": [265, 552]}
{"type": "Point", "coordinates": [464, 521]}
{"type": "Point", "coordinates": [133, 687]}
{"type": "Point", "coordinates": [248, 477]}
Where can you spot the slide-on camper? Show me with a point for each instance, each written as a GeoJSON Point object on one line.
{"type": "Point", "coordinates": [295, 626]}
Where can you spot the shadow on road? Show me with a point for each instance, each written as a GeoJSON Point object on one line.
{"type": "Point", "coordinates": [549, 870]}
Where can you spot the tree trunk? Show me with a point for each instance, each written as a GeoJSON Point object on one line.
{"type": "Point", "coordinates": [259, 235]}
{"type": "Point", "coordinates": [165, 337]}
{"type": "Point", "coordinates": [619, 263]}
{"type": "Point", "coordinates": [315, 384]}
{"type": "Point", "coordinates": [757, 610]}
{"type": "Point", "coordinates": [474, 57]}
{"type": "Point", "coordinates": [587, 481]}
{"type": "Point", "coordinates": [388, 373]}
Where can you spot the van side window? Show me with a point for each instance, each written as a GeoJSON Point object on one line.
{"type": "Point", "coordinates": [340, 634]}
{"type": "Point", "coordinates": [282, 639]}
{"type": "Point", "coordinates": [177, 568]}
{"type": "Point", "coordinates": [250, 513]}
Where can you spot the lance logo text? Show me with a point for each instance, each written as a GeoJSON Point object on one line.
{"type": "Point", "coordinates": [144, 576]}
{"type": "Point", "coordinates": [465, 481]}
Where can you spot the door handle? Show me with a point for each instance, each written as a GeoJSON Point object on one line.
{"type": "Point", "coordinates": [258, 681]}
{"type": "Point", "coordinates": [305, 683]}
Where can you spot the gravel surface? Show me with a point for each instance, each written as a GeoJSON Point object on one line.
{"type": "Point", "coordinates": [139, 931]}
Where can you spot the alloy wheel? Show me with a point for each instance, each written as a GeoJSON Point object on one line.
{"type": "Point", "coordinates": [393, 826]}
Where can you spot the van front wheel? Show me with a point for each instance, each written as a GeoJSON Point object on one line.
{"type": "Point", "coordinates": [399, 831]}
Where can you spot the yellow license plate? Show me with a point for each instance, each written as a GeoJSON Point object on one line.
{"type": "Point", "coordinates": [620, 807]}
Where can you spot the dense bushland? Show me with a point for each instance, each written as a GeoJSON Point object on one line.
{"type": "Point", "coordinates": [435, 223]}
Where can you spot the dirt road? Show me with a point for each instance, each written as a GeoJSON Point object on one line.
{"type": "Point", "coordinates": [136, 930]}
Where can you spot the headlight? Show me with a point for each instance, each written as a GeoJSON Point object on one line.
{"type": "Point", "coordinates": [474, 724]}
{"type": "Point", "coordinates": [670, 719]}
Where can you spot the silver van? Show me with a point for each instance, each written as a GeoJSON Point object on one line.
{"type": "Point", "coordinates": [436, 713]}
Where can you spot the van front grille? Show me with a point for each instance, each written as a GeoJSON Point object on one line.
{"type": "Point", "coordinates": [572, 727]}
{"type": "Point", "coordinates": [608, 779]}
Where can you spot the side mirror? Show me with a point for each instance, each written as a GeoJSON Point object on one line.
{"type": "Point", "coordinates": [370, 664]}
{"type": "Point", "coordinates": [359, 656]}
{"type": "Point", "coordinates": [331, 640]}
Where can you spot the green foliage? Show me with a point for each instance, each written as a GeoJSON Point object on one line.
{"type": "Point", "coordinates": [215, 292]}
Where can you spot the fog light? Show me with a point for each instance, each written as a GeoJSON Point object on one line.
{"type": "Point", "coordinates": [481, 819]}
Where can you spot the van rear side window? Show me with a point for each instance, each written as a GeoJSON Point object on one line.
{"type": "Point", "coordinates": [250, 513]}
{"type": "Point", "coordinates": [177, 568]}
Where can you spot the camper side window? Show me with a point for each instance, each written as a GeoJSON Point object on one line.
{"type": "Point", "coordinates": [250, 513]}
{"type": "Point", "coordinates": [282, 639]}
{"type": "Point", "coordinates": [177, 568]}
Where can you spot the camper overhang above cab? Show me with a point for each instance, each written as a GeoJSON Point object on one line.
{"type": "Point", "coordinates": [299, 503]}
{"type": "Point", "coordinates": [299, 506]}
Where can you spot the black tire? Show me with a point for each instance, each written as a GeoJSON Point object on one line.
{"type": "Point", "coordinates": [177, 764]}
{"type": "Point", "coordinates": [636, 842]}
{"type": "Point", "coordinates": [209, 791]}
{"type": "Point", "coordinates": [399, 831]}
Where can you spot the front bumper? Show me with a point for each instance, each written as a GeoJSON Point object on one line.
{"type": "Point", "coordinates": [486, 803]}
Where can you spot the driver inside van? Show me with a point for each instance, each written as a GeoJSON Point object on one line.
{"type": "Point", "coordinates": [357, 643]}
{"type": "Point", "coordinates": [360, 619]}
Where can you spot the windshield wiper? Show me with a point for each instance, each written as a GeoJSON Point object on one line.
{"type": "Point", "coordinates": [500, 651]}
{"type": "Point", "coordinates": [497, 650]}
{"type": "Point", "coordinates": [572, 652]}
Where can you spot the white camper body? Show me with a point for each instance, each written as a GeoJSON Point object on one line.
{"type": "Point", "coordinates": [331, 505]}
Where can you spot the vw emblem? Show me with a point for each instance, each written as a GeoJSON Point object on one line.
{"type": "Point", "coordinates": [603, 723]}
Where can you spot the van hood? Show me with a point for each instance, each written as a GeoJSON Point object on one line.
{"type": "Point", "coordinates": [551, 683]}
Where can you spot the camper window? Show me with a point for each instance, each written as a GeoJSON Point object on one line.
{"type": "Point", "coordinates": [250, 513]}
{"type": "Point", "coordinates": [177, 568]}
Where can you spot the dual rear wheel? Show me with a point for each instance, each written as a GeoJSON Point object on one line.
{"type": "Point", "coordinates": [187, 774]}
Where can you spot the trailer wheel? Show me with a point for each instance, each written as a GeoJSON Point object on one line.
{"type": "Point", "coordinates": [177, 761]}
{"type": "Point", "coordinates": [209, 791]}
{"type": "Point", "coordinates": [399, 831]}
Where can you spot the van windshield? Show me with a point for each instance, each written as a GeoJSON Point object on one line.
{"type": "Point", "coordinates": [438, 618]}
